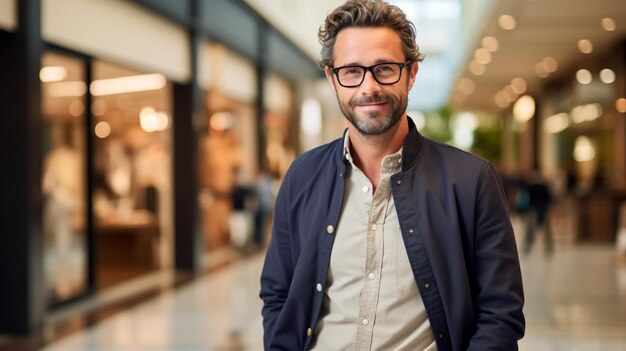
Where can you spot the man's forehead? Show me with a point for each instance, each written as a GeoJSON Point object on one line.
{"type": "Point", "coordinates": [371, 44]}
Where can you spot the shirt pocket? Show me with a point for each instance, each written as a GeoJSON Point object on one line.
{"type": "Point", "coordinates": [405, 281]}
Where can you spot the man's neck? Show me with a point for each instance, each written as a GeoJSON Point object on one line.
{"type": "Point", "coordinates": [369, 151]}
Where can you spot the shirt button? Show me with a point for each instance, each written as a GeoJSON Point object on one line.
{"type": "Point", "coordinates": [365, 322]}
{"type": "Point", "coordinates": [365, 189]}
{"type": "Point", "coordinates": [427, 285]}
{"type": "Point", "coordinates": [410, 230]}
{"type": "Point", "coordinates": [341, 175]}
{"type": "Point", "coordinates": [374, 227]}
{"type": "Point", "coordinates": [371, 276]}
{"type": "Point", "coordinates": [398, 182]}
{"type": "Point", "coordinates": [319, 287]}
{"type": "Point", "coordinates": [309, 332]}
{"type": "Point", "coordinates": [400, 160]}
{"type": "Point", "coordinates": [330, 229]}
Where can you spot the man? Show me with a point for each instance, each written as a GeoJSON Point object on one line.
{"type": "Point", "coordinates": [539, 200]}
{"type": "Point", "coordinates": [383, 239]}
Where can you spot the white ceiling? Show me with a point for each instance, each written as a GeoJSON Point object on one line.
{"type": "Point", "coordinates": [544, 28]}
{"type": "Point", "coordinates": [298, 20]}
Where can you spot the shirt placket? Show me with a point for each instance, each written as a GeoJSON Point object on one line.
{"type": "Point", "coordinates": [373, 261]}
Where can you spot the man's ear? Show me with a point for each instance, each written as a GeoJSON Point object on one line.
{"type": "Point", "coordinates": [330, 78]}
{"type": "Point", "coordinates": [414, 68]}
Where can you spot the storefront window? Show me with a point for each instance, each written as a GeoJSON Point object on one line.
{"type": "Point", "coordinates": [227, 153]}
{"type": "Point", "coordinates": [63, 176]}
{"type": "Point", "coordinates": [132, 192]}
{"type": "Point", "coordinates": [280, 124]}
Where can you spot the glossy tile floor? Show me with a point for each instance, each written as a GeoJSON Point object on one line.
{"type": "Point", "coordinates": [576, 300]}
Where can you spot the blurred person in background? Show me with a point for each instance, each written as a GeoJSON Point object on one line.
{"type": "Point", "coordinates": [264, 191]}
{"type": "Point", "coordinates": [383, 239]}
{"type": "Point", "coordinates": [536, 218]}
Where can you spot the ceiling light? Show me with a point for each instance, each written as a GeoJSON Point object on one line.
{"type": "Point", "coordinates": [607, 76]}
{"type": "Point", "coordinates": [583, 149]}
{"type": "Point", "coordinates": [128, 84]}
{"type": "Point", "coordinates": [586, 113]}
{"type": "Point", "coordinates": [76, 108]}
{"type": "Point", "coordinates": [524, 109]}
{"type": "Point", "coordinates": [501, 100]}
{"type": "Point", "coordinates": [466, 86]}
{"type": "Point", "coordinates": [518, 85]}
{"type": "Point", "coordinates": [490, 43]}
{"type": "Point", "coordinates": [509, 94]}
{"type": "Point", "coordinates": [483, 56]}
{"type": "Point", "coordinates": [151, 120]}
{"type": "Point", "coordinates": [476, 68]}
{"type": "Point", "coordinates": [550, 64]}
{"type": "Point", "coordinates": [583, 76]}
{"type": "Point", "coordinates": [608, 24]}
{"type": "Point", "coordinates": [585, 46]}
{"type": "Point", "coordinates": [506, 22]}
{"type": "Point", "coordinates": [620, 105]}
{"type": "Point", "coordinates": [541, 71]}
{"type": "Point", "coordinates": [102, 130]}
{"type": "Point", "coordinates": [64, 89]}
{"type": "Point", "coordinates": [556, 123]}
{"type": "Point", "coordinates": [52, 73]}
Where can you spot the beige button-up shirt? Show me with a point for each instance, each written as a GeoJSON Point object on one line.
{"type": "Point", "coordinates": [371, 300]}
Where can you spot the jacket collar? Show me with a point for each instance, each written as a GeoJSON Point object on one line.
{"type": "Point", "coordinates": [411, 149]}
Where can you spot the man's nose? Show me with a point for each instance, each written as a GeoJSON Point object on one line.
{"type": "Point", "coordinates": [370, 85]}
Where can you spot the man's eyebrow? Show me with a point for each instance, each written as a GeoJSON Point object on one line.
{"type": "Point", "coordinates": [350, 64]}
{"type": "Point", "coordinates": [362, 65]}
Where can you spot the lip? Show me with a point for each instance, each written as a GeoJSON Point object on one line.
{"type": "Point", "coordinates": [372, 106]}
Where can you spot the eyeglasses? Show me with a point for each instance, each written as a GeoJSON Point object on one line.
{"type": "Point", "coordinates": [385, 73]}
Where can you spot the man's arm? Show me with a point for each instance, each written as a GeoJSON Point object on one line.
{"type": "Point", "coordinates": [497, 283]}
{"type": "Point", "coordinates": [278, 268]}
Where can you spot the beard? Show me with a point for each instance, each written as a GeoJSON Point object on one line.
{"type": "Point", "coordinates": [374, 122]}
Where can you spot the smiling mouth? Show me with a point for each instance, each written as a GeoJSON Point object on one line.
{"type": "Point", "coordinates": [372, 105]}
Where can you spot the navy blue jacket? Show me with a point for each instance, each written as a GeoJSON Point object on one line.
{"type": "Point", "coordinates": [456, 229]}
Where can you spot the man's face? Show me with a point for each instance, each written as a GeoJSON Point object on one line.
{"type": "Point", "coordinates": [372, 108]}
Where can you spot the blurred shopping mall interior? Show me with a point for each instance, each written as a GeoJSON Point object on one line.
{"type": "Point", "coordinates": [143, 143]}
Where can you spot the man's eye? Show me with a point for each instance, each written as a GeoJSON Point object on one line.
{"type": "Point", "coordinates": [352, 71]}
{"type": "Point", "coordinates": [385, 68]}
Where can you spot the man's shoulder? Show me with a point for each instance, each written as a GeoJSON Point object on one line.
{"type": "Point", "coordinates": [447, 160]}
{"type": "Point", "coordinates": [454, 154]}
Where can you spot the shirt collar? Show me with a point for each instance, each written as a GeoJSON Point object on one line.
{"type": "Point", "coordinates": [411, 150]}
{"type": "Point", "coordinates": [390, 164]}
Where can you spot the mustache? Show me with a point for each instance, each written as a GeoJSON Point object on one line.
{"type": "Point", "coordinates": [377, 99]}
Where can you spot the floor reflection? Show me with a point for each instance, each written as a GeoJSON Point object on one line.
{"type": "Point", "coordinates": [576, 300]}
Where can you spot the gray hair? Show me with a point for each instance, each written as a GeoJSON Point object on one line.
{"type": "Point", "coordinates": [367, 13]}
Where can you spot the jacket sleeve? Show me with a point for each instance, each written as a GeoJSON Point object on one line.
{"type": "Point", "coordinates": [278, 267]}
{"type": "Point", "coordinates": [497, 292]}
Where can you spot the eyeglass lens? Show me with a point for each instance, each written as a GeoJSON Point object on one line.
{"type": "Point", "coordinates": [384, 73]}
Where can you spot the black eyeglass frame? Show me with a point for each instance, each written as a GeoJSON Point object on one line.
{"type": "Point", "coordinates": [401, 65]}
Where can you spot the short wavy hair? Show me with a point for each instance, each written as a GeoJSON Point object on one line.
{"type": "Point", "coordinates": [367, 13]}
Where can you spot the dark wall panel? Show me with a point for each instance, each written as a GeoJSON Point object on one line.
{"type": "Point", "coordinates": [178, 10]}
{"type": "Point", "coordinates": [228, 22]}
{"type": "Point", "coordinates": [285, 59]}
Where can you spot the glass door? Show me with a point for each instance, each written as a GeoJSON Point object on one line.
{"type": "Point", "coordinates": [64, 176]}
{"type": "Point", "coordinates": [132, 172]}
